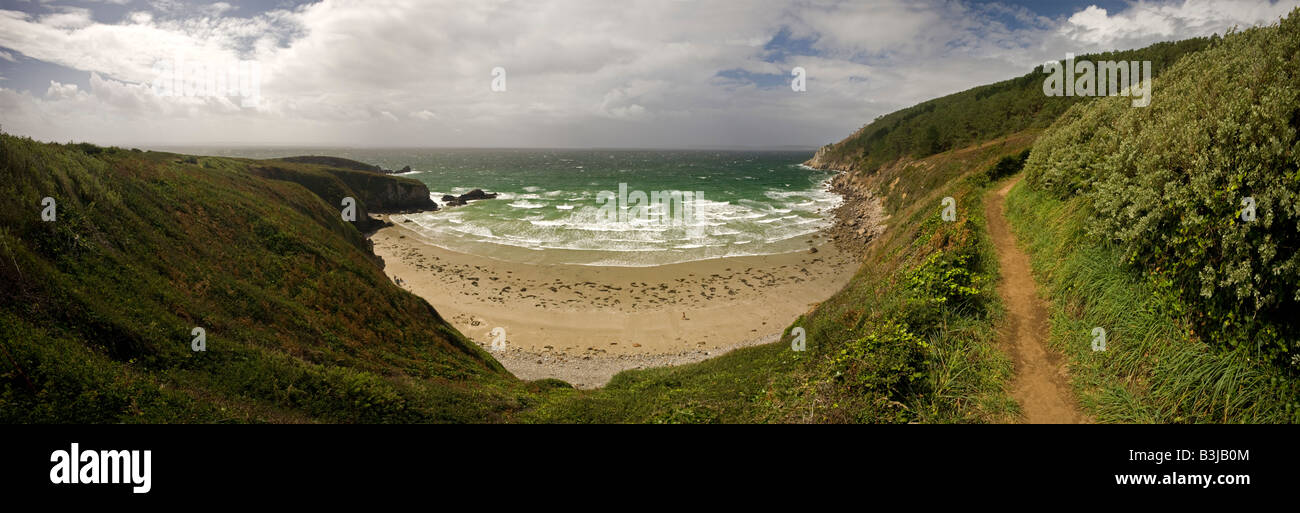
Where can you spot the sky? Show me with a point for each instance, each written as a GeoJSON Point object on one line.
{"type": "Point", "coordinates": [572, 74]}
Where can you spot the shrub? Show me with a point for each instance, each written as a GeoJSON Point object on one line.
{"type": "Point", "coordinates": [1166, 184]}
{"type": "Point", "coordinates": [884, 362]}
{"type": "Point", "coordinates": [1007, 166]}
{"type": "Point", "coordinates": [946, 278]}
{"type": "Point", "coordinates": [88, 149]}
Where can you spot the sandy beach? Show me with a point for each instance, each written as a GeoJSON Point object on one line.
{"type": "Point", "coordinates": [583, 324]}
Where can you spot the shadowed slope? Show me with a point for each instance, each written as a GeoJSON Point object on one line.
{"type": "Point", "coordinates": [301, 322]}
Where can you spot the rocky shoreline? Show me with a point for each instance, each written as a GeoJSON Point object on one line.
{"type": "Point", "coordinates": [861, 218]}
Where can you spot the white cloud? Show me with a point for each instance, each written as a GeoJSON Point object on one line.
{"type": "Point", "coordinates": [1145, 20]}
{"type": "Point", "coordinates": [217, 8]}
{"type": "Point", "coordinates": [59, 91]}
{"type": "Point", "coordinates": [67, 17]}
{"type": "Point", "coordinates": [636, 73]}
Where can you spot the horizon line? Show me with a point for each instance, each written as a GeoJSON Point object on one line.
{"type": "Point", "coordinates": [792, 147]}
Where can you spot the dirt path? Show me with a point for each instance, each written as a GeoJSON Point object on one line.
{"type": "Point", "coordinates": [1040, 386]}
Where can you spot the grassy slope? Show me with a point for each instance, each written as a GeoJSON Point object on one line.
{"type": "Point", "coordinates": [898, 344]}
{"type": "Point", "coordinates": [302, 324]}
{"type": "Point", "coordinates": [980, 114]}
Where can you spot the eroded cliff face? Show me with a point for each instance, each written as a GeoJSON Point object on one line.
{"type": "Point", "coordinates": [402, 196]}
{"type": "Point", "coordinates": [387, 193]}
{"type": "Point", "coordinates": [379, 189]}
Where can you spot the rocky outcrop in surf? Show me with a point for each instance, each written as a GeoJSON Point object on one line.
{"type": "Point", "coordinates": [476, 194]}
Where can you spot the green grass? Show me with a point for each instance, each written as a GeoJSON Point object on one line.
{"type": "Point", "coordinates": [302, 323]}
{"type": "Point", "coordinates": [1153, 369]}
{"type": "Point", "coordinates": [756, 384]}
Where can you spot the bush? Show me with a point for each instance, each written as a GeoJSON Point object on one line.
{"type": "Point", "coordinates": [88, 149]}
{"type": "Point", "coordinates": [1166, 184]}
{"type": "Point", "coordinates": [946, 278]}
{"type": "Point", "coordinates": [1007, 166]}
{"type": "Point", "coordinates": [884, 362]}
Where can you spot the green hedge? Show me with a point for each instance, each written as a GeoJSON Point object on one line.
{"type": "Point", "coordinates": [1166, 184]}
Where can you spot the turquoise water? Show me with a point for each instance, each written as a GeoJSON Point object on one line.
{"type": "Point", "coordinates": [550, 208]}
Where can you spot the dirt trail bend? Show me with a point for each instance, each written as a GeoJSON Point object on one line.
{"type": "Point", "coordinates": [1040, 384]}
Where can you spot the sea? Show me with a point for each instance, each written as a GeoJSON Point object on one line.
{"type": "Point", "coordinates": [560, 206]}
